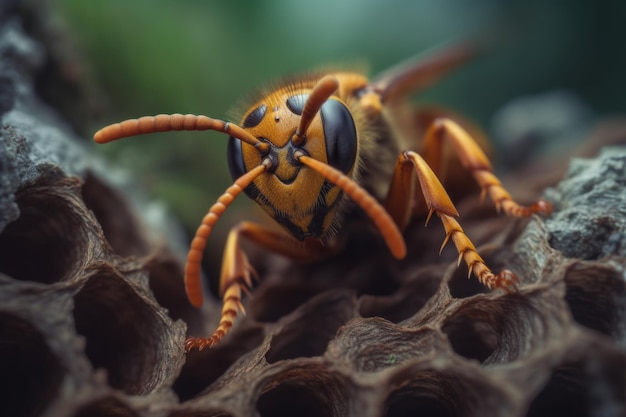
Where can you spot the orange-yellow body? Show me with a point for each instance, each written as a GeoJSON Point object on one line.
{"type": "Point", "coordinates": [305, 149]}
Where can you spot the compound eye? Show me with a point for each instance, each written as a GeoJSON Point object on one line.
{"type": "Point", "coordinates": [234, 156]}
{"type": "Point", "coordinates": [254, 117]}
{"type": "Point", "coordinates": [339, 134]}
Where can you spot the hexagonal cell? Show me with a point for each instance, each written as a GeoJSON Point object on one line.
{"type": "Point", "coordinates": [203, 368]}
{"type": "Point", "coordinates": [588, 386]}
{"type": "Point", "coordinates": [306, 390]}
{"type": "Point", "coordinates": [407, 300]}
{"type": "Point", "coordinates": [564, 394]}
{"type": "Point", "coordinates": [472, 337]}
{"type": "Point", "coordinates": [165, 277]}
{"type": "Point", "coordinates": [118, 221]}
{"type": "Point", "coordinates": [125, 333]}
{"type": "Point", "coordinates": [187, 412]}
{"type": "Point", "coordinates": [31, 374]}
{"type": "Point", "coordinates": [596, 296]}
{"type": "Point", "coordinates": [269, 303]}
{"type": "Point", "coordinates": [416, 400]}
{"type": "Point", "coordinates": [106, 407]}
{"type": "Point", "coordinates": [498, 330]}
{"type": "Point", "coordinates": [458, 391]}
{"type": "Point", "coordinates": [307, 331]}
{"type": "Point", "coordinates": [463, 286]}
{"type": "Point", "coordinates": [372, 344]}
{"type": "Point", "coordinates": [49, 241]}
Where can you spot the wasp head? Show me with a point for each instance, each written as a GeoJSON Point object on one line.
{"type": "Point", "coordinates": [291, 123]}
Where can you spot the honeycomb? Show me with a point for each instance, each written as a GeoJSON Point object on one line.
{"type": "Point", "coordinates": [93, 315]}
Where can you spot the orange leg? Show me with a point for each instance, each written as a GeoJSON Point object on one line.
{"type": "Point", "coordinates": [399, 204]}
{"type": "Point", "coordinates": [475, 161]}
{"type": "Point", "coordinates": [237, 273]}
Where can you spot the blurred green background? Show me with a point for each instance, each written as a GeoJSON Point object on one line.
{"type": "Point", "coordinates": [197, 56]}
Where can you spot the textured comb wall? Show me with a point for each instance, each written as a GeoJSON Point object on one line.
{"type": "Point", "coordinates": [90, 302]}
{"type": "Point", "coordinates": [81, 332]}
{"type": "Point", "coordinates": [444, 346]}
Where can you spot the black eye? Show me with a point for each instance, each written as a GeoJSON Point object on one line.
{"type": "Point", "coordinates": [255, 117]}
{"type": "Point", "coordinates": [234, 156]}
{"type": "Point", "coordinates": [340, 135]}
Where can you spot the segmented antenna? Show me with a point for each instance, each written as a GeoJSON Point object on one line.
{"type": "Point", "coordinates": [374, 210]}
{"type": "Point", "coordinates": [323, 89]}
{"type": "Point", "coordinates": [173, 122]}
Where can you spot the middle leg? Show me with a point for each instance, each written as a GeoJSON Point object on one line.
{"type": "Point", "coordinates": [476, 162]}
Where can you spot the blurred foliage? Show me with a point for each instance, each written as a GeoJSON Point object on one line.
{"type": "Point", "coordinates": [196, 56]}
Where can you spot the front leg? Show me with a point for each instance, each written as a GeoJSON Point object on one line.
{"type": "Point", "coordinates": [400, 199]}
{"type": "Point", "coordinates": [237, 274]}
